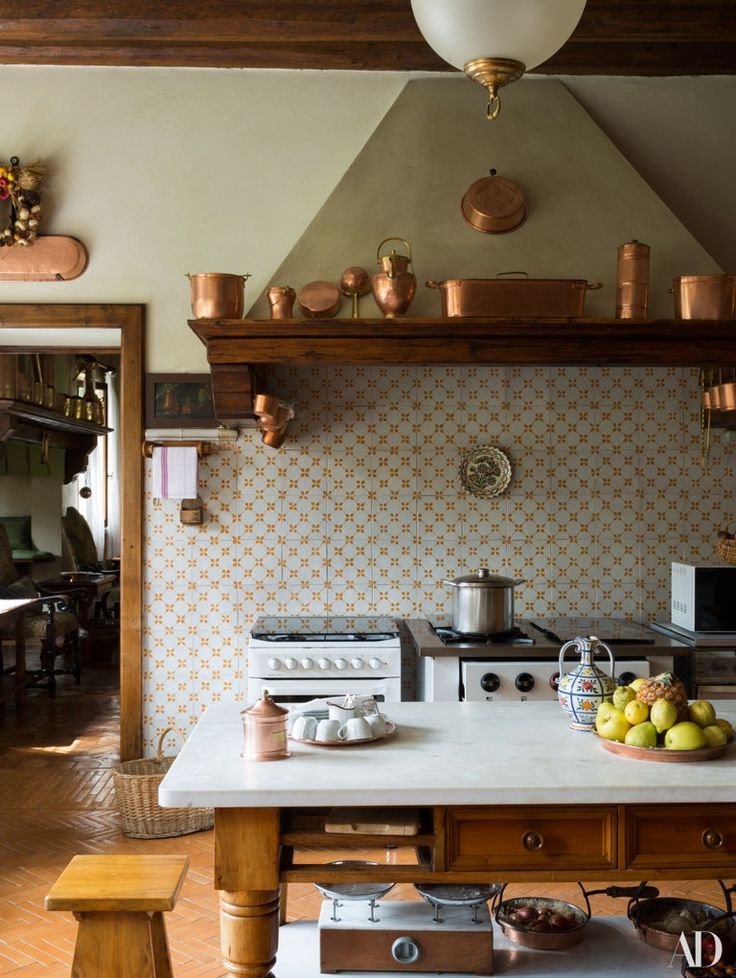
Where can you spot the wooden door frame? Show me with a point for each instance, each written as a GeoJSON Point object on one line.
{"type": "Point", "coordinates": [130, 320]}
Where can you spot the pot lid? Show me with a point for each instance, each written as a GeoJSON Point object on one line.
{"type": "Point", "coordinates": [483, 578]}
{"type": "Point", "coordinates": [265, 709]}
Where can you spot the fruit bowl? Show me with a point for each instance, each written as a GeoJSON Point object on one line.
{"type": "Point", "coordinates": [663, 754]}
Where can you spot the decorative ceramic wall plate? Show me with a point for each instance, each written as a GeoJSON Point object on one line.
{"type": "Point", "coordinates": [485, 471]}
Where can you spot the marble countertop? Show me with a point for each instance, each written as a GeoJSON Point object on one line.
{"type": "Point", "coordinates": [442, 754]}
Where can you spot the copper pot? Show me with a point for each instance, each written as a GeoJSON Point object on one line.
{"type": "Point", "coordinates": [539, 298]}
{"type": "Point", "coordinates": [218, 295]}
{"type": "Point", "coordinates": [705, 297]}
{"type": "Point", "coordinates": [724, 395]}
{"type": "Point", "coordinates": [281, 301]}
{"type": "Point", "coordinates": [494, 205]}
{"type": "Point", "coordinates": [319, 300]}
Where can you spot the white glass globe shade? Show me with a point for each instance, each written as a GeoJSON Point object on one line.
{"type": "Point", "coordinates": [529, 31]}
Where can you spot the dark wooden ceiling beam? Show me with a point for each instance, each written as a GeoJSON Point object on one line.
{"type": "Point", "coordinates": [613, 37]}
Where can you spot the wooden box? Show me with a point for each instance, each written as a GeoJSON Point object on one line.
{"type": "Point", "coordinates": [354, 943]}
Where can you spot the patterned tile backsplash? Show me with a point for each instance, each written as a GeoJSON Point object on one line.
{"type": "Point", "coordinates": [363, 511]}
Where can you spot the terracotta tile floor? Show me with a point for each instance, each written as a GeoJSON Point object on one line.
{"type": "Point", "coordinates": [57, 799]}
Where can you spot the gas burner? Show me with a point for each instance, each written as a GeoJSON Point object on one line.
{"type": "Point", "coordinates": [343, 630]}
{"type": "Point", "coordinates": [448, 636]}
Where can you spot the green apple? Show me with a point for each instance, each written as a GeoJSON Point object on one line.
{"type": "Point", "coordinates": [642, 735]}
{"type": "Point", "coordinates": [612, 725]}
{"type": "Point", "coordinates": [702, 712]}
{"type": "Point", "coordinates": [715, 736]}
{"type": "Point", "coordinates": [636, 712]}
{"type": "Point", "coordinates": [663, 715]}
{"type": "Point", "coordinates": [623, 695]}
{"type": "Point", "coordinates": [685, 736]}
{"type": "Point", "coordinates": [725, 727]}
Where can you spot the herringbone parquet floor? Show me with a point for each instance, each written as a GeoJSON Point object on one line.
{"type": "Point", "coordinates": [57, 799]}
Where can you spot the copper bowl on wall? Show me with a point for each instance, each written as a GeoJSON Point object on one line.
{"type": "Point", "coordinates": [705, 297]}
{"type": "Point", "coordinates": [494, 205]}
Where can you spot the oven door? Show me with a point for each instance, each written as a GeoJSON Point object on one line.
{"type": "Point", "coordinates": [287, 691]}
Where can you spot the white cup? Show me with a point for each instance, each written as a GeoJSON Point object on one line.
{"type": "Point", "coordinates": [356, 728]}
{"type": "Point", "coordinates": [327, 731]}
{"type": "Point", "coordinates": [304, 728]}
{"type": "Point", "coordinates": [341, 713]}
{"type": "Point", "coordinates": [377, 723]}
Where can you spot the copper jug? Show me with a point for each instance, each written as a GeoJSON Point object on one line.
{"type": "Point", "coordinates": [394, 285]}
{"type": "Point", "coordinates": [281, 301]}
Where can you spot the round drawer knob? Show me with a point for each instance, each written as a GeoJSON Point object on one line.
{"type": "Point", "coordinates": [712, 839]}
{"type": "Point", "coordinates": [405, 950]}
{"type": "Point", "coordinates": [532, 841]}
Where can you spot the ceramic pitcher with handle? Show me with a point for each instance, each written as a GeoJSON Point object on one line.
{"type": "Point", "coordinates": [582, 690]}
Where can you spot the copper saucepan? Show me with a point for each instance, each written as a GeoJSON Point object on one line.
{"type": "Point", "coordinates": [319, 300]}
{"type": "Point", "coordinates": [705, 297]}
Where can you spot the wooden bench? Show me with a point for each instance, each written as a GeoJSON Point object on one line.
{"type": "Point", "coordinates": [119, 903]}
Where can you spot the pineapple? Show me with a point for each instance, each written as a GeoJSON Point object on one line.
{"type": "Point", "coordinates": [666, 686]}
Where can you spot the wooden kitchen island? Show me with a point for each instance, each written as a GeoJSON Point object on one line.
{"type": "Point", "coordinates": [505, 793]}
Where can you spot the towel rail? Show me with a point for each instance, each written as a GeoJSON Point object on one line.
{"type": "Point", "coordinates": [203, 447]}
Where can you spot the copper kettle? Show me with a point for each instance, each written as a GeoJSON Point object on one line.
{"type": "Point", "coordinates": [394, 285]}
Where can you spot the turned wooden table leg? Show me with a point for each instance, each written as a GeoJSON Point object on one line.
{"type": "Point", "coordinates": [249, 922]}
{"type": "Point", "coordinates": [247, 876]}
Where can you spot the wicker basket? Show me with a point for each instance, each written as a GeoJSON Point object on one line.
{"type": "Point", "coordinates": [726, 547]}
{"type": "Point", "coordinates": [136, 788]}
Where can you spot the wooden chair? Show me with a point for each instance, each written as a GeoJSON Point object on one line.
{"type": "Point", "coordinates": [119, 903]}
{"type": "Point", "coordinates": [49, 622]}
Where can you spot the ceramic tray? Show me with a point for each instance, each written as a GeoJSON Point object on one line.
{"type": "Point", "coordinates": [390, 731]}
{"type": "Point", "coordinates": [661, 753]}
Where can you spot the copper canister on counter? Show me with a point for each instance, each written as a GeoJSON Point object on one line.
{"type": "Point", "coordinates": [264, 728]}
{"type": "Point", "coordinates": [632, 281]}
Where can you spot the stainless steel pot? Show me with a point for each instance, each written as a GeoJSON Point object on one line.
{"type": "Point", "coordinates": [483, 603]}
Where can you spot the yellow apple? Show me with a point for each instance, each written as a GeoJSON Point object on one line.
{"type": "Point", "coordinates": [715, 736]}
{"type": "Point", "coordinates": [725, 727]}
{"type": "Point", "coordinates": [636, 712]}
{"type": "Point", "coordinates": [623, 695]}
{"type": "Point", "coordinates": [702, 712]}
{"type": "Point", "coordinates": [612, 725]}
{"type": "Point", "coordinates": [663, 715]}
{"type": "Point", "coordinates": [685, 736]}
{"type": "Point", "coordinates": [642, 735]}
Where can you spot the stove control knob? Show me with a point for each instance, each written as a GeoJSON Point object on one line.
{"type": "Point", "coordinates": [625, 678]}
{"type": "Point", "coordinates": [356, 663]}
{"type": "Point", "coordinates": [290, 663]}
{"type": "Point", "coordinates": [324, 663]}
{"type": "Point", "coordinates": [274, 664]}
{"type": "Point", "coordinates": [375, 663]}
{"type": "Point", "coordinates": [490, 682]}
{"type": "Point", "coordinates": [524, 682]}
{"type": "Point", "coordinates": [307, 663]}
{"type": "Point", "coordinates": [554, 681]}
{"type": "Point", "coordinates": [341, 664]}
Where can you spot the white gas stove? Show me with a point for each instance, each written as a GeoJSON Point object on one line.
{"type": "Point", "coordinates": [300, 658]}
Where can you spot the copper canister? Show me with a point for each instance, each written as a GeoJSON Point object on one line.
{"type": "Point", "coordinates": [281, 301]}
{"type": "Point", "coordinates": [632, 281]}
{"type": "Point", "coordinates": [264, 728]}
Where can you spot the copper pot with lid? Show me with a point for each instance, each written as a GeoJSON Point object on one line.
{"type": "Point", "coordinates": [494, 205]}
{"type": "Point", "coordinates": [319, 300]}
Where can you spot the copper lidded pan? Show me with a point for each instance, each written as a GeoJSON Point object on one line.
{"type": "Point", "coordinates": [494, 205]}
{"type": "Point", "coordinates": [319, 300]}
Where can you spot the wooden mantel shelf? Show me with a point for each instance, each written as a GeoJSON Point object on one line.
{"type": "Point", "coordinates": [549, 342]}
{"type": "Point", "coordinates": [29, 423]}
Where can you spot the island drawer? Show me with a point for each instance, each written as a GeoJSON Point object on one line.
{"type": "Point", "coordinates": [674, 836]}
{"type": "Point", "coordinates": [512, 837]}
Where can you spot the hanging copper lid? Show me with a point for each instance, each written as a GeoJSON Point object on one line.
{"type": "Point", "coordinates": [494, 205]}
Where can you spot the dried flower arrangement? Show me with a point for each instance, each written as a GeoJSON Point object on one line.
{"type": "Point", "coordinates": [20, 201]}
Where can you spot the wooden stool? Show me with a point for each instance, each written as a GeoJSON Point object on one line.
{"type": "Point", "coordinates": [118, 901]}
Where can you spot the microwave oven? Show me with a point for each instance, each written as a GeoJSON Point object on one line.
{"type": "Point", "coordinates": [704, 597]}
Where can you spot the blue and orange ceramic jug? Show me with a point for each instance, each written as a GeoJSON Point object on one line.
{"type": "Point", "coordinates": [581, 691]}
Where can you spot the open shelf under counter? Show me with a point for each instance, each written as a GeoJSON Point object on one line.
{"type": "Point", "coordinates": [451, 341]}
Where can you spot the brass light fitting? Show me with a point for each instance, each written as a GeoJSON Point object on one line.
{"type": "Point", "coordinates": [494, 73]}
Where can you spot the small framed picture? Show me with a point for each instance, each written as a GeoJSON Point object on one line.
{"type": "Point", "coordinates": [179, 401]}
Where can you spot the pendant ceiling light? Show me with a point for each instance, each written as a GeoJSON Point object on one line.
{"type": "Point", "coordinates": [496, 41]}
